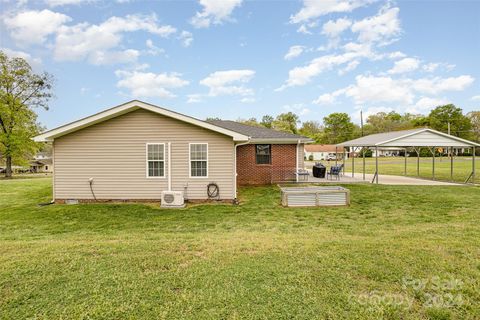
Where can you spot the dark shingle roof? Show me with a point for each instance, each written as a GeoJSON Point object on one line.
{"type": "Point", "coordinates": [257, 132]}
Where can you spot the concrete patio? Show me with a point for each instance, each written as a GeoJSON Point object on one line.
{"type": "Point", "coordinates": [347, 178]}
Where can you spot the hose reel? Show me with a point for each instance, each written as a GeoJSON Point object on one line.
{"type": "Point", "coordinates": [213, 191]}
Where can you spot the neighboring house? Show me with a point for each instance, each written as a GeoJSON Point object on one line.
{"type": "Point", "coordinates": [41, 166]}
{"type": "Point", "coordinates": [386, 152]}
{"type": "Point", "coordinates": [137, 150]}
{"type": "Point", "coordinates": [323, 152]}
{"type": "Point", "coordinates": [41, 163]}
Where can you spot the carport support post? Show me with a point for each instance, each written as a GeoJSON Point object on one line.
{"type": "Point", "coordinates": [363, 156]}
{"type": "Point", "coordinates": [433, 163]}
{"type": "Point", "coordinates": [473, 165]}
{"type": "Point", "coordinates": [418, 161]}
{"type": "Point", "coordinates": [353, 162]}
{"type": "Point", "coordinates": [451, 163]}
{"type": "Point", "coordinates": [376, 164]}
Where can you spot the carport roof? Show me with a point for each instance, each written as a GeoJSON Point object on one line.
{"type": "Point", "coordinates": [421, 137]}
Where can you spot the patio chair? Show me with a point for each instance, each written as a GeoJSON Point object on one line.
{"type": "Point", "coordinates": [302, 174]}
{"type": "Point", "coordinates": [334, 171]}
{"type": "Point", "coordinates": [342, 169]}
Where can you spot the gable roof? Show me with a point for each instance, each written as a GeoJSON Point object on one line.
{"type": "Point", "coordinates": [259, 134]}
{"type": "Point", "coordinates": [126, 108]}
{"type": "Point", "coordinates": [420, 137]}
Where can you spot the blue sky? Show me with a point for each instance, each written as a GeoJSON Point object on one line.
{"type": "Point", "coordinates": [240, 59]}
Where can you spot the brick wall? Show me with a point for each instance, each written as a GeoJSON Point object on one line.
{"type": "Point", "coordinates": [282, 168]}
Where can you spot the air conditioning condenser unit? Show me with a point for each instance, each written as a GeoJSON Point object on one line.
{"type": "Point", "coordinates": [172, 199]}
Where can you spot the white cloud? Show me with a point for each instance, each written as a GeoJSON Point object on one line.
{"type": "Point", "coordinates": [247, 100]}
{"type": "Point", "coordinates": [475, 98]}
{"type": "Point", "coordinates": [113, 57]}
{"type": "Point", "coordinates": [229, 82]}
{"type": "Point", "coordinates": [148, 84]}
{"type": "Point", "coordinates": [153, 50]}
{"type": "Point", "coordinates": [186, 38]}
{"type": "Point", "coordinates": [425, 104]}
{"type": "Point", "coordinates": [431, 67]}
{"type": "Point", "coordinates": [333, 29]}
{"type": "Point", "coordinates": [371, 90]}
{"type": "Point", "coordinates": [396, 55]}
{"type": "Point", "coordinates": [405, 65]}
{"type": "Point", "coordinates": [381, 28]}
{"type": "Point", "coordinates": [352, 65]}
{"type": "Point", "coordinates": [194, 98]}
{"type": "Point", "coordinates": [328, 98]}
{"type": "Point", "coordinates": [299, 76]}
{"type": "Point", "coordinates": [56, 3]}
{"type": "Point", "coordinates": [293, 52]}
{"type": "Point", "coordinates": [437, 84]}
{"type": "Point", "coordinates": [313, 9]}
{"type": "Point", "coordinates": [33, 27]}
{"type": "Point", "coordinates": [214, 11]}
{"type": "Point", "coordinates": [34, 62]}
{"type": "Point", "coordinates": [298, 108]}
{"type": "Point", "coordinates": [85, 41]}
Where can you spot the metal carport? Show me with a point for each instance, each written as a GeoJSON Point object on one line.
{"type": "Point", "coordinates": [415, 138]}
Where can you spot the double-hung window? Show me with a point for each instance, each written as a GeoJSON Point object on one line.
{"type": "Point", "coordinates": [263, 154]}
{"type": "Point", "coordinates": [155, 160]}
{"type": "Point", "coordinates": [198, 160]}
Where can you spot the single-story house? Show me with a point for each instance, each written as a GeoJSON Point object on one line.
{"type": "Point", "coordinates": [322, 152]}
{"type": "Point", "coordinates": [41, 165]}
{"type": "Point", "coordinates": [136, 150]}
{"type": "Point", "coordinates": [386, 152]}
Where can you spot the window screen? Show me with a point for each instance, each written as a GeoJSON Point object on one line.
{"type": "Point", "coordinates": [156, 160]}
{"type": "Point", "coordinates": [198, 160]}
{"type": "Point", "coordinates": [263, 154]}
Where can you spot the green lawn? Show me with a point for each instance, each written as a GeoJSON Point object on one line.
{"type": "Point", "coordinates": [255, 261]}
{"type": "Point", "coordinates": [396, 166]}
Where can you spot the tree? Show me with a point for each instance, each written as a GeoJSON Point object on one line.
{"type": "Point", "coordinates": [311, 129]}
{"type": "Point", "coordinates": [460, 125]}
{"type": "Point", "coordinates": [286, 122]}
{"type": "Point", "coordinates": [474, 117]}
{"type": "Point", "coordinates": [212, 119]}
{"type": "Point", "coordinates": [21, 91]}
{"type": "Point", "coordinates": [338, 128]}
{"type": "Point", "coordinates": [250, 122]}
{"type": "Point", "coordinates": [267, 121]}
{"type": "Point", "coordinates": [386, 122]}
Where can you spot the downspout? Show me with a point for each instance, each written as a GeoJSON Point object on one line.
{"type": "Point", "coordinates": [169, 166]}
{"type": "Point", "coordinates": [235, 167]}
{"type": "Point", "coordinates": [296, 161]}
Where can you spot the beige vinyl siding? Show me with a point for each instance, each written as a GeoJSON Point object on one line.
{"type": "Point", "coordinates": [113, 153]}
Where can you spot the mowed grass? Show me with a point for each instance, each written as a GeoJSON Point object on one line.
{"type": "Point", "coordinates": [462, 167]}
{"type": "Point", "coordinates": [253, 261]}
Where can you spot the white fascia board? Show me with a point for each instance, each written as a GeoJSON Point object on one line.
{"type": "Point", "coordinates": [125, 108]}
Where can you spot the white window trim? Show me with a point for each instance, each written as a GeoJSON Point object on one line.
{"type": "Point", "coordinates": [146, 161]}
{"type": "Point", "coordinates": [190, 161]}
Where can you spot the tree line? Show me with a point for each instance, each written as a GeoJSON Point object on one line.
{"type": "Point", "coordinates": [338, 127]}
